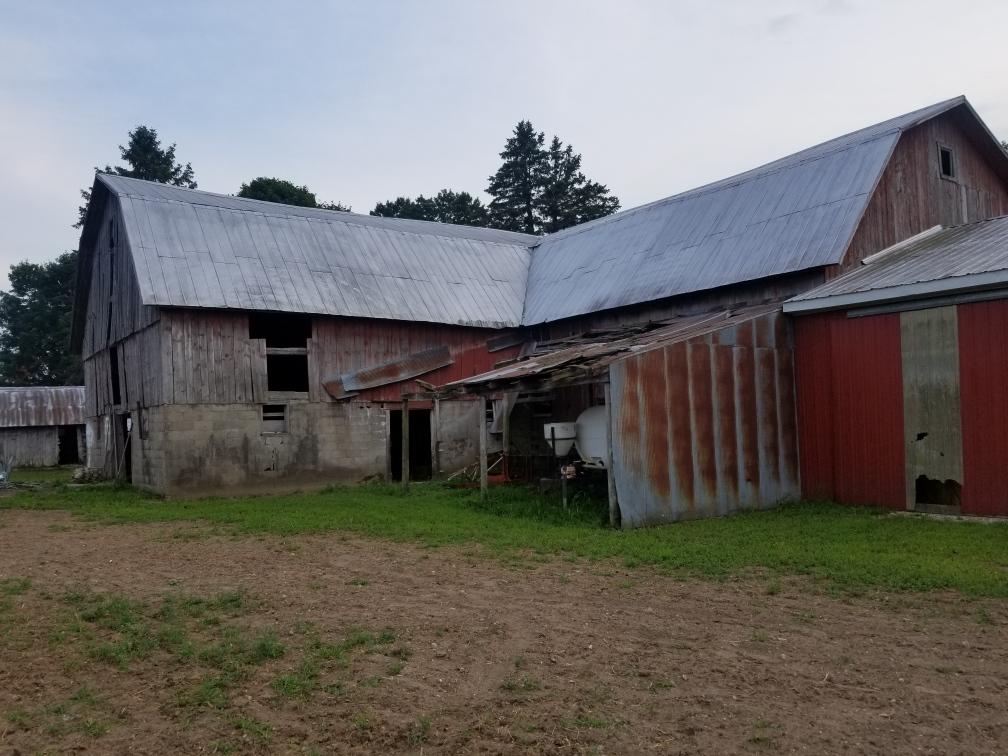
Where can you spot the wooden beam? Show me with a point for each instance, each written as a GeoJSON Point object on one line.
{"type": "Point", "coordinates": [610, 479]}
{"type": "Point", "coordinates": [483, 448]}
{"type": "Point", "coordinates": [405, 445]}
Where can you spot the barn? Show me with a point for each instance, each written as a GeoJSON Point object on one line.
{"type": "Point", "coordinates": [229, 342]}
{"type": "Point", "coordinates": [42, 426]}
{"type": "Point", "coordinates": [659, 312]}
{"type": "Point", "coordinates": [901, 368]}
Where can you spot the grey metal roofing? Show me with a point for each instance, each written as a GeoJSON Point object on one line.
{"type": "Point", "coordinates": [795, 213]}
{"type": "Point", "coordinates": [197, 249]}
{"type": "Point", "coordinates": [41, 405]}
{"type": "Point", "coordinates": [962, 257]}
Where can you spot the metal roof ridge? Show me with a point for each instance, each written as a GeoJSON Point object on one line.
{"type": "Point", "coordinates": [521, 239]}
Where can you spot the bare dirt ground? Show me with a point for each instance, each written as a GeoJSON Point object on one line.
{"type": "Point", "coordinates": [477, 655]}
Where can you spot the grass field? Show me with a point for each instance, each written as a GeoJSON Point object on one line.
{"type": "Point", "coordinates": [849, 548]}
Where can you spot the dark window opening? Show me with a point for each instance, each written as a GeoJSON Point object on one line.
{"type": "Point", "coordinates": [946, 162]}
{"type": "Point", "coordinates": [282, 330]}
{"type": "Point", "coordinates": [68, 450]}
{"type": "Point", "coordinates": [274, 418]}
{"type": "Point", "coordinates": [287, 372]}
{"type": "Point", "coordinates": [114, 370]}
{"type": "Point", "coordinates": [937, 494]}
{"type": "Point", "coordinates": [421, 464]}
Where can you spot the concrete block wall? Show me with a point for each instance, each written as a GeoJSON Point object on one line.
{"type": "Point", "coordinates": [193, 448]}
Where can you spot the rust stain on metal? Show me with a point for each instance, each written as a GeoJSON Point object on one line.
{"type": "Point", "coordinates": [767, 422]}
{"type": "Point", "coordinates": [787, 417]}
{"type": "Point", "coordinates": [630, 414]}
{"type": "Point", "coordinates": [764, 333]}
{"type": "Point", "coordinates": [727, 443]}
{"type": "Point", "coordinates": [745, 379]}
{"type": "Point", "coordinates": [677, 370]}
{"type": "Point", "coordinates": [654, 389]}
{"type": "Point", "coordinates": [704, 448]}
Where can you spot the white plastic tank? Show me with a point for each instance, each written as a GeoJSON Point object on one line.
{"type": "Point", "coordinates": [564, 433]}
{"type": "Point", "coordinates": [590, 436]}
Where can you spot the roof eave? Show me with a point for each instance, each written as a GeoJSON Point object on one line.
{"type": "Point", "coordinates": [904, 292]}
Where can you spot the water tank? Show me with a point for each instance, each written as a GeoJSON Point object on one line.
{"type": "Point", "coordinates": [590, 436]}
{"type": "Point", "coordinates": [564, 433]}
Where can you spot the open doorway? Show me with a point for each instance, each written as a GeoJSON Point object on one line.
{"type": "Point", "coordinates": [69, 450]}
{"type": "Point", "coordinates": [421, 465]}
{"type": "Point", "coordinates": [124, 446]}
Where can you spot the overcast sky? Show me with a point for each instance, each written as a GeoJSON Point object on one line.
{"type": "Point", "coordinates": [365, 101]}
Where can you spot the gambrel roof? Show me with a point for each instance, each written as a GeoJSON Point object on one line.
{"type": "Point", "coordinates": [197, 249]}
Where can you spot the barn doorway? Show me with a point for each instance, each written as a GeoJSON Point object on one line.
{"type": "Point", "coordinates": [68, 448]}
{"type": "Point", "coordinates": [421, 464]}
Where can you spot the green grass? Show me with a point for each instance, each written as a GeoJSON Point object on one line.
{"type": "Point", "coordinates": [850, 547]}
{"type": "Point", "coordinates": [42, 474]}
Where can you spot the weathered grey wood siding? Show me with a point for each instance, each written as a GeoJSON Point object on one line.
{"type": "Point", "coordinates": [30, 447]}
{"type": "Point", "coordinates": [912, 196]}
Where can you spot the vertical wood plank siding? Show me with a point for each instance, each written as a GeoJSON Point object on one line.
{"type": "Point", "coordinates": [344, 345]}
{"type": "Point", "coordinates": [911, 195]}
{"type": "Point", "coordinates": [705, 427]}
{"type": "Point", "coordinates": [983, 375]}
{"type": "Point", "coordinates": [850, 409]}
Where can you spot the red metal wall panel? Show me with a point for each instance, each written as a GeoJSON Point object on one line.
{"type": "Point", "coordinates": [983, 375]}
{"type": "Point", "coordinates": [850, 408]}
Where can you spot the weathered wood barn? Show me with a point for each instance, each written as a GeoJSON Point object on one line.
{"type": "Point", "coordinates": [41, 426]}
{"type": "Point", "coordinates": [901, 371]}
{"type": "Point", "coordinates": [235, 342]}
{"type": "Point", "coordinates": [231, 342]}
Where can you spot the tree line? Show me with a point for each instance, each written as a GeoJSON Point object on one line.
{"type": "Point", "coordinates": [537, 189]}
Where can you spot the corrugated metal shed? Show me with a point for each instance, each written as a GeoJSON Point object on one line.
{"type": "Point", "coordinates": [796, 213]}
{"type": "Point", "coordinates": [705, 426]}
{"type": "Point", "coordinates": [953, 259]}
{"type": "Point", "coordinates": [41, 405]}
{"type": "Point", "coordinates": [198, 249]}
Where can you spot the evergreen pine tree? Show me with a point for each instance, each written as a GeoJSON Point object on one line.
{"type": "Point", "coordinates": [517, 185]}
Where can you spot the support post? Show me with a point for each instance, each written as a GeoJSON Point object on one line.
{"type": "Point", "coordinates": [405, 444]}
{"type": "Point", "coordinates": [506, 440]}
{"type": "Point", "coordinates": [613, 502]}
{"type": "Point", "coordinates": [483, 448]}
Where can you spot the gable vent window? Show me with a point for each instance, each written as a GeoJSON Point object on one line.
{"type": "Point", "coordinates": [946, 162]}
{"type": "Point", "coordinates": [274, 418]}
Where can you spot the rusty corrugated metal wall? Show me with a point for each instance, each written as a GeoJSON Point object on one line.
{"type": "Point", "coordinates": [707, 426]}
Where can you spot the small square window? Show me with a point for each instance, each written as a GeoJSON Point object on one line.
{"type": "Point", "coordinates": [274, 418]}
{"type": "Point", "coordinates": [946, 162]}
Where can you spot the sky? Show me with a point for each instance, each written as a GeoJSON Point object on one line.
{"type": "Point", "coordinates": [366, 101]}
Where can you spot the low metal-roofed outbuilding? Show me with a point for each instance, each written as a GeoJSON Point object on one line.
{"type": "Point", "coordinates": [41, 426]}
{"type": "Point", "coordinates": [700, 410]}
{"type": "Point", "coordinates": [900, 370]}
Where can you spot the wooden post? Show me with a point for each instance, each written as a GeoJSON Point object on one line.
{"type": "Point", "coordinates": [613, 503]}
{"type": "Point", "coordinates": [405, 444]}
{"type": "Point", "coordinates": [483, 448]}
{"type": "Point", "coordinates": [436, 436]}
{"type": "Point", "coordinates": [506, 440]}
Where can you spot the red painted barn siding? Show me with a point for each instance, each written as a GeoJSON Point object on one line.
{"type": "Point", "coordinates": [850, 408]}
{"type": "Point", "coordinates": [983, 375]}
{"type": "Point", "coordinates": [345, 345]}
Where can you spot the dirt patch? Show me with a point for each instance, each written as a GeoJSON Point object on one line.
{"type": "Point", "coordinates": [392, 648]}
